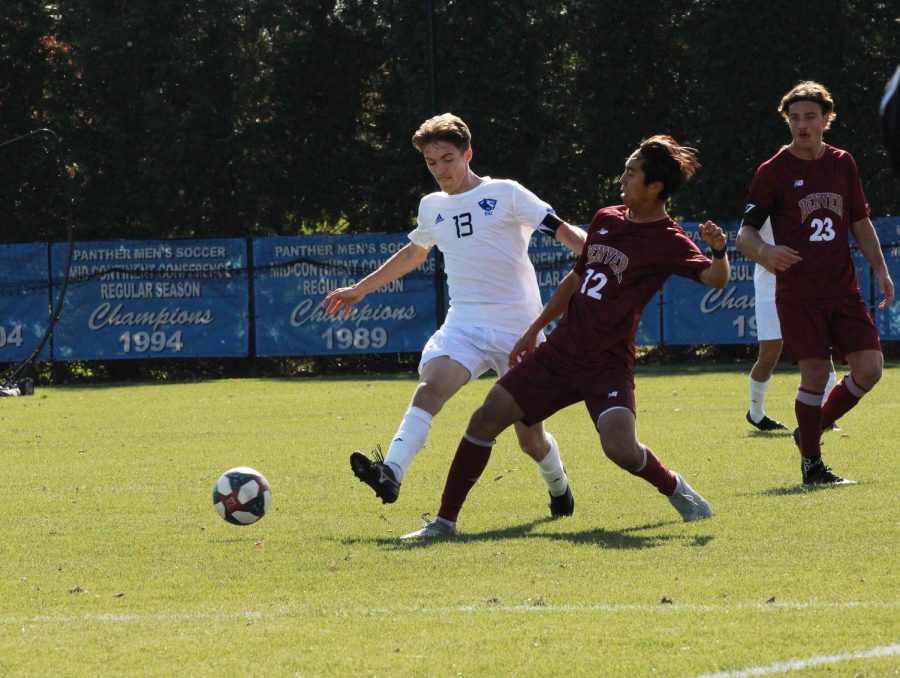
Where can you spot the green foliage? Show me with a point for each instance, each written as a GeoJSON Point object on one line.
{"type": "Point", "coordinates": [236, 117]}
{"type": "Point", "coordinates": [115, 563]}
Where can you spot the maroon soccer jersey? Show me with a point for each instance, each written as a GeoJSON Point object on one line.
{"type": "Point", "coordinates": [623, 264]}
{"type": "Point", "coordinates": [811, 204]}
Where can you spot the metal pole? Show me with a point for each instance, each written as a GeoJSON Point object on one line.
{"type": "Point", "coordinates": [432, 105]}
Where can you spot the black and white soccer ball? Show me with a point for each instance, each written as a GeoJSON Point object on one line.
{"type": "Point", "coordinates": [242, 495]}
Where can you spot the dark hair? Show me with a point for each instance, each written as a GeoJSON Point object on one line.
{"type": "Point", "coordinates": [446, 127]}
{"type": "Point", "coordinates": [664, 160]}
{"type": "Point", "coordinates": [809, 90]}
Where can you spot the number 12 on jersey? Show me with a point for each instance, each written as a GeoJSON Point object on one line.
{"type": "Point", "coordinates": [594, 281]}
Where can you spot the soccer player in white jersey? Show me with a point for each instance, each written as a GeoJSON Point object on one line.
{"type": "Point", "coordinates": [768, 332]}
{"type": "Point", "coordinates": [482, 226]}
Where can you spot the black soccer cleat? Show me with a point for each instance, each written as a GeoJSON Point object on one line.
{"type": "Point", "coordinates": [766, 423]}
{"type": "Point", "coordinates": [816, 473]}
{"type": "Point", "coordinates": [563, 505]}
{"type": "Point", "coordinates": [376, 474]}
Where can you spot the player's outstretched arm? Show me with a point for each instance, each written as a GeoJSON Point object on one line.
{"type": "Point", "coordinates": [555, 307]}
{"type": "Point", "coordinates": [867, 239]}
{"type": "Point", "coordinates": [717, 274]}
{"type": "Point", "coordinates": [404, 260]}
{"type": "Point", "coordinates": [570, 236]}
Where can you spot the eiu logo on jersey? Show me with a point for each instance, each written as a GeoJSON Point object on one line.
{"type": "Point", "coordinates": [439, 218]}
{"type": "Point", "coordinates": [487, 204]}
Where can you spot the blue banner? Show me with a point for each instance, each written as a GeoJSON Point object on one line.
{"type": "Point", "coordinates": [696, 314]}
{"type": "Point", "coordinates": [191, 298]}
{"type": "Point", "coordinates": [24, 301]}
{"type": "Point", "coordinates": [293, 275]}
{"type": "Point", "coordinates": [888, 320]}
{"type": "Point", "coordinates": [552, 262]}
{"type": "Point", "coordinates": [133, 299]}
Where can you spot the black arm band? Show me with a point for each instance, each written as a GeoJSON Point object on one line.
{"type": "Point", "coordinates": [550, 224]}
{"type": "Point", "coordinates": [719, 254]}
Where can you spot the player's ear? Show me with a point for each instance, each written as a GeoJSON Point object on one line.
{"type": "Point", "coordinates": [468, 154]}
{"type": "Point", "coordinates": [656, 187]}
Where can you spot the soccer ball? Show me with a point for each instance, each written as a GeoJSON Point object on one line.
{"type": "Point", "coordinates": [242, 495]}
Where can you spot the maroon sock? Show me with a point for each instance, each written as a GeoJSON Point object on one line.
{"type": "Point", "coordinates": [467, 467]}
{"type": "Point", "coordinates": [841, 400]}
{"type": "Point", "coordinates": [808, 408]}
{"type": "Point", "coordinates": [656, 473]}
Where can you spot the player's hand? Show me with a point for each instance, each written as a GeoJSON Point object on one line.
{"type": "Point", "coordinates": [525, 345]}
{"type": "Point", "coordinates": [341, 301]}
{"type": "Point", "coordinates": [780, 257]}
{"type": "Point", "coordinates": [713, 235]}
{"type": "Point", "coordinates": [886, 287]}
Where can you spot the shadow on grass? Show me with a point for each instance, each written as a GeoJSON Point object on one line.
{"type": "Point", "coordinates": [773, 435]}
{"type": "Point", "coordinates": [627, 538]}
{"type": "Point", "coordinates": [800, 489]}
{"type": "Point", "coordinates": [235, 540]}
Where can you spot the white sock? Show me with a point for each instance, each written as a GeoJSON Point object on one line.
{"type": "Point", "coordinates": [409, 439]}
{"type": "Point", "coordinates": [552, 471]}
{"type": "Point", "coordinates": [832, 382]}
{"type": "Point", "coordinates": [758, 390]}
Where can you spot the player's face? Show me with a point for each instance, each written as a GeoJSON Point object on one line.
{"type": "Point", "coordinates": [807, 123]}
{"type": "Point", "coordinates": [634, 190]}
{"type": "Point", "coordinates": [448, 165]}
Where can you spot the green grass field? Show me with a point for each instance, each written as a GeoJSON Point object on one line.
{"type": "Point", "coordinates": [115, 563]}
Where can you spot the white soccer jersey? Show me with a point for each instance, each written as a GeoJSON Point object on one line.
{"type": "Point", "coordinates": [484, 234]}
{"type": "Point", "coordinates": [764, 280]}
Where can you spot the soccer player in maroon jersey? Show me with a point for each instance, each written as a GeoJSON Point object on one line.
{"type": "Point", "coordinates": [631, 250]}
{"type": "Point", "coordinates": [813, 194]}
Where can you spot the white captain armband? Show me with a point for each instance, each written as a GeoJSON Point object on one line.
{"type": "Point", "coordinates": [550, 224]}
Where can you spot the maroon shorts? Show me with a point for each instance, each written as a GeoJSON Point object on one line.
{"type": "Point", "coordinates": [541, 387]}
{"type": "Point", "coordinates": [813, 328]}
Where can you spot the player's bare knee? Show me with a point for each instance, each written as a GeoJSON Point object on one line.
{"type": "Point", "coordinates": [623, 451]}
{"type": "Point", "coordinates": [429, 398]}
{"type": "Point", "coordinates": [535, 447]}
{"type": "Point", "coordinates": [866, 377]}
{"type": "Point", "coordinates": [624, 456]}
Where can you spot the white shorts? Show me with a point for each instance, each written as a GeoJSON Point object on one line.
{"type": "Point", "coordinates": [478, 349]}
{"type": "Point", "coordinates": [767, 325]}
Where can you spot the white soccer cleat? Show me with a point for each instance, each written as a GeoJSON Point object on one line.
{"type": "Point", "coordinates": [689, 503]}
{"type": "Point", "coordinates": [437, 529]}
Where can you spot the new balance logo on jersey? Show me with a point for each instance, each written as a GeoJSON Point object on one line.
{"type": "Point", "coordinates": [602, 231]}
{"type": "Point", "coordinates": [798, 183]}
{"type": "Point", "coordinates": [487, 204]}
{"type": "Point", "coordinates": [439, 219]}
{"type": "Point", "coordinates": [612, 394]}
